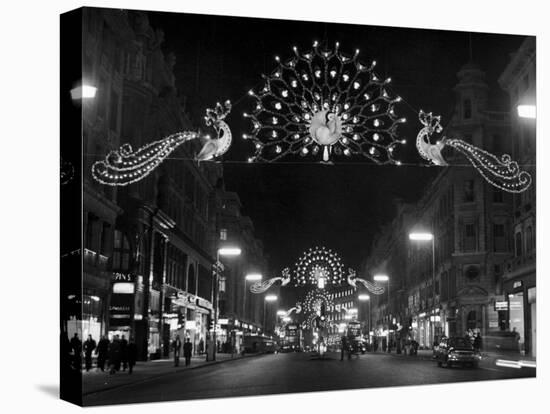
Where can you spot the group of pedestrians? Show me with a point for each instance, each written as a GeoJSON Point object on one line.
{"type": "Point", "coordinates": [118, 353]}
{"type": "Point", "coordinates": [187, 351]}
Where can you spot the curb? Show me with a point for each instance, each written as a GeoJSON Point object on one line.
{"type": "Point", "coordinates": [210, 363]}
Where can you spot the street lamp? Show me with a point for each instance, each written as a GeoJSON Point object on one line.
{"type": "Point", "coordinates": [424, 237]}
{"type": "Point", "coordinates": [268, 298]}
{"type": "Point", "coordinates": [527, 111]}
{"type": "Point", "coordinates": [366, 298]}
{"type": "Point", "coordinates": [252, 277]}
{"type": "Point", "coordinates": [83, 92]}
{"type": "Point", "coordinates": [385, 278]}
{"type": "Point", "coordinates": [227, 252]}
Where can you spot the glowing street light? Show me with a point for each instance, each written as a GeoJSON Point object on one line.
{"type": "Point", "coordinates": [363, 297]}
{"type": "Point", "coordinates": [527, 111]}
{"type": "Point", "coordinates": [270, 299]}
{"type": "Point", "coordinates": [229, 251]}
{"type": "Point", "coordinates": [381, 278]}
{"type": "Point", "coordinates": [253, 277]}
{"type": "Point", "coordinates": [83, 92]}
{"type": "Point", "coordinates": [223, 251]}
{"type": "Point", "coordinates": [421, 237]}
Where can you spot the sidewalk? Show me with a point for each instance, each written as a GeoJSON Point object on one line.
{"type": "Point", "coordinates": [487, 358]}
{"type": "Point", "coordinates": [95, 381]}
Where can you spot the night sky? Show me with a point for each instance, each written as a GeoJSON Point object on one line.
{"type": "Point", "coordinates": [295, 206]}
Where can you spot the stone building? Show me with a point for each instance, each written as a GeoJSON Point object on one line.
{"type": "Point", "coordinates": [519, 273]}
{"type": "Point", "coordinates": [452, 285]}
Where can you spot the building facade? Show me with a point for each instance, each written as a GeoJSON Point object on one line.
{"type": "Point", "coordinates": [450, 285]}
{"type": "Point", "coordinates": [150, 248]}
{"type": "Point", "coordinates": [519, 276]}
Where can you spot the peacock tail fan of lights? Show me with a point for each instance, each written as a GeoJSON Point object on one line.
{"type": "Point", "coordinates": [315, 299]}
{"type": "Point", "coordinates": [325, 104]}
{"type": "Point", "coordinates": [502, 172]}
{"type": "Point", "coordinates": [126, 166]}
{"type": "Point", "coordinates": [319, 263]}
{"type": "Point", "coordinates": [371, 287]}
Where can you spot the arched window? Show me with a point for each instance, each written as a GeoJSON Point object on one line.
{"type": "Point", "coordinates": [519, 246]}
{"type": "Point", "coordinates": [467, 108]}
{"type": "Point", "coordinates": [471, 322]}
{"type": "Point", "coordinates": [121, 252]}
{"type": "Point", "coordinates": [191, 281]}
{"type": "Point", "coordinates": [529, 239]}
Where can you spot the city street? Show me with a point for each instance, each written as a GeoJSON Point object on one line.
{"type": "Point", "coordinates": [299, 372]}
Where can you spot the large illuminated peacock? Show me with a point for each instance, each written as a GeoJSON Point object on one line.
{"type": "Point", "coordinates": [324, 103]}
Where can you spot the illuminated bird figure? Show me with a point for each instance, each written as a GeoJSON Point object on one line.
{"type": "Point", "coordinates": [324, 103]}
{"type": "Point", "coordinates": [500, 172]}
{"type": "Point", "coordinates": [427, 150]}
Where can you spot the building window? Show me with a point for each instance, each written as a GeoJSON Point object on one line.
{"type": "Point", "coordinates": [499, 239]}
{"type": "Point", "coordinates": [113, 112]}
{"type": "Point", "coordinates": [468, 191]}
{"type": "Point", "coordinates": [519, 247]}
{"type": "Point", "coordinates": [470, 237]}
{"type": "Point", "coordinates": [498, 195]}
{"type": "Point", "coordinates": [467, 108]}
{"type": "Point", "coordinates": [529, 239]}
{"type": "Point", "coordinates": [121, 252]}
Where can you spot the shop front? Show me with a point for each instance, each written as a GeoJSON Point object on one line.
{"type": "Point", "coordinates": [520, 295]}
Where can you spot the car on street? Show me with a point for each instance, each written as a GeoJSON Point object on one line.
{"type": "Point", "coordinates": [456, 351]}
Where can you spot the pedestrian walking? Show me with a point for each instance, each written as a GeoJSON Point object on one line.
{"type": "Point", "coordinates": [101, 351]}
{"type": "Point", "coordinates": [89, 346]}
{"type": "Point", "coordinates": [131, 352]}
{"type": "Point", "coordinates": [176, 345]}
{"type": "Point", "coordinates": [114, 355]}
{"type": "Point", "coordinates": [477, 342]}
{"type": "Point", "coordinates": [124, 353]}
{"type": "Point", "coordinates": [187, 352]}
{"type": "Point", "coordinates": [76, 347]}
{"type": "Point", "coordinates": [201, 346]}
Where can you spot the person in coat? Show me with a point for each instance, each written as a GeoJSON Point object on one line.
{"type": "Point", "coordinates": [102, 351]}
{"type": "Point", "coordinates": [124, 352]}
{"type": "Point", "coordinates": [76, 347]}
{"type": "Point", "coordinates": [176, 345]}
{"type": "Point", "coordinates": [131, 353]}
{"type": "Point", "coordinates": [187, 352]}
{"type": "Point", "coordinates": [89, 346]}
{"type": "Point", "coordinates": [114, 355]}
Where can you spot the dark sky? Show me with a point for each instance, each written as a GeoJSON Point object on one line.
{"type": "Point", "coordinates": [296, 206]}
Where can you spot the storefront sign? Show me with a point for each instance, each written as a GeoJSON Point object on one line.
{"type": "Point", "coordinates": [190, 325]}
{"type": "Point", "coordinates": [123, 277]}
{"type": "Point", "coordinates": [124, 288]}
{"type": "Point", "coordinates": [223, 321]}
{"type": "Point", "coordinates": [501, 305]}
{"type": "Point", "coordinates": [517, 284]}
{"type": "Point", "coordinates": [121, 309]}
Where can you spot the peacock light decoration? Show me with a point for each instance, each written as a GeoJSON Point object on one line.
{"type": "Point", "coordinates": [125, 166]}
{"type": "Point", "coordinates": [500, 172]}
{"type": "Point", "coordinates": [324, 103]}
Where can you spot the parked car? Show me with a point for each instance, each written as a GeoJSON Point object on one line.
{"type": "Point", "coordinates": [456, 351]}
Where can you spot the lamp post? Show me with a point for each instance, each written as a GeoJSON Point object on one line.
{"type": "Point", "coordinates": [268, 298]}
{"type": "Point", "coordinates": [252, 277]}
{"type": "Point", "coordinates": [385, 278]}
{"type": "Point", "coordinates": [228, 252]}
{"type": "Point", "coordinates": [424, 237]}
{"type": "Point", "coordinates": [366, 298]}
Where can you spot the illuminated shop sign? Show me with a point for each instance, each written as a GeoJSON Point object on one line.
{"type": "Point", "coordinates": [501, 305]}
{"type": "Point", "coordinates": [123, 288]}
